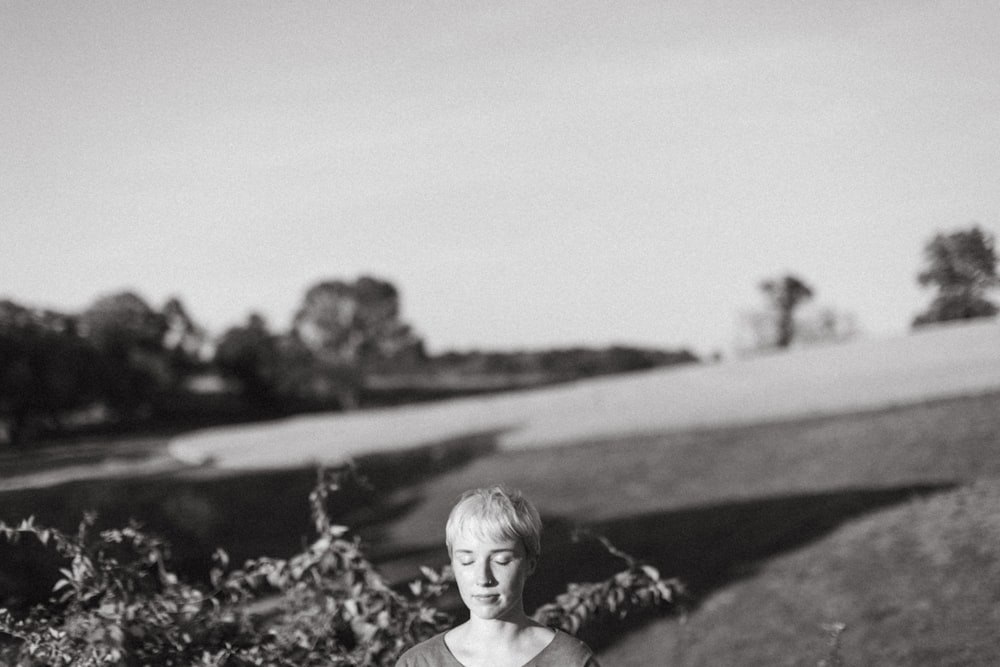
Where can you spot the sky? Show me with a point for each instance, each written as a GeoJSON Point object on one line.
{"type": "Point", "coordinates": [528, 174]}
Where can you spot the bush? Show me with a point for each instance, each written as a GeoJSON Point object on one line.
{"type": "Point", "coordinates": [118, 602]}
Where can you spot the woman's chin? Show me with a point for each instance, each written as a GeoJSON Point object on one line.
{"type": "Point", "coordinates": [488, 607]}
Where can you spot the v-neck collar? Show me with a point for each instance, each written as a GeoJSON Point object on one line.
{"type": "Point", "coordinates": [451, 656]}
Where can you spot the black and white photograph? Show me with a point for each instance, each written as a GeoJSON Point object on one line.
{"type": "Point", "coordinates": [499, 333]}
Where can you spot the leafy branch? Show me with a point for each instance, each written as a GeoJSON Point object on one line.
{"type": "Point", "coordinates": [118, 602]}
{"type": "Point", "coordinates": [638, 588]}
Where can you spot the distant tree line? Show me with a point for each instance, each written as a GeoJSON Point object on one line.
{"type": "Point", "coordinates": [564, 363]}
{"type": "Point", "coordinates": [960, 265]}
{"type": "Point", "coordinates": [340, 334]}
{"type": "Point", "coordinates": [118, 357]}
{"type": "Point", "coordinates": [464, 373]}
{"type": "Point", "coordinates": [123, 362]}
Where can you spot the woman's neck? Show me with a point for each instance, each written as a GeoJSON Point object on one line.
{"type": "Point", "coordinates": [507, 627]}
{"type": "Point", "coordinates": [512, 640]}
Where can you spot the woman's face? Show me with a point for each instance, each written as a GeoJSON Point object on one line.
{"type": "Point", "coordinates": [490, 574]}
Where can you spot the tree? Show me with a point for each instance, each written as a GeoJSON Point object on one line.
{"type": "Point", "coordinates": [350, 328]}
{"type": "Point", "coordinates": [962, 266]}
{"type": "Point", "coordinates": [122, 321]}
{"type": "Point", "coordinates": [249, 354]}
{"type": "Point", "coordinates": [129, 334]}
{"type": "Point", "coordinates": [46, 369]}
{"type": "Point", "coordinates": [182, 339]}
{"type": "Point", "coordinates": [353, 323]}
{"type": "Point", "coordinates": [785, 295]}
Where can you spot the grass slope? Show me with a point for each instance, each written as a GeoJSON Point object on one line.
{"type": "Point", "coordinates": [722, 508]}
{"type": "Point", "coordinates": [916, 585]}
{"type": "Point", "coordinates": [885, 519]}
{"type": "Point", "coordinates": [863, 375]}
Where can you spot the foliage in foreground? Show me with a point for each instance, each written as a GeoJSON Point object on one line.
{"type": "Point", "coordinates": [118, 603]}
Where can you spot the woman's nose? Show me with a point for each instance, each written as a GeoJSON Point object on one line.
{"type": "Point", "coordinates": [484, 576]}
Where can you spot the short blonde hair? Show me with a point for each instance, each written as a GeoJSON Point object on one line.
{"type": "Point", "coordinates": [496, 513]}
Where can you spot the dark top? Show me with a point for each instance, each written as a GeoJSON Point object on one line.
{"type": "Point", "coordinates": [564, 650]}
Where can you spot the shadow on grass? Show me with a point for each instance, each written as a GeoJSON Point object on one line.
{"type": "Point", "coordinates": [248, 513]}
{"type": "Point", "coordinates": [705, 547]}
{"type": "Point", "coordinates": [257, 513]}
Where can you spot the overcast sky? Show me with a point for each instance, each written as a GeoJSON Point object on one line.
{"type": "Point", "coordinates": [528, 174]}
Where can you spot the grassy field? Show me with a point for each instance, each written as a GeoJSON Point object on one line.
{"type": "Point", "coordinates": [955, 360]}
{"type": "Point", "coordinates": [886, 520]}
{"type": "Point", "coordinates": [778, 529]}
{"type": "Point", "coordinates": [916, 584]}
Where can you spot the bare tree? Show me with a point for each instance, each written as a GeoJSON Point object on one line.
{"type": "Point", "coordinates": [785, 295]}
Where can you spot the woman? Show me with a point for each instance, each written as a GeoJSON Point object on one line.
{"type": "Point", "coordinates": [494, 540]}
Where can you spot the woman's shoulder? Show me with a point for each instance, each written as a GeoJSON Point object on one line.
{"type": "Point", "coordinates": [431, 652]}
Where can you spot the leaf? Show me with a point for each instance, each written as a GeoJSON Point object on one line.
{"type": "Point", "coordinates": [352, 607]}
{"type": "Point", "coordinates": [221, 558]}
{"type": "Point", "coordinates": [665, 591]}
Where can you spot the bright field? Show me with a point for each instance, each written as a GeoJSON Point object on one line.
{"type": "Point", "coordinates": [938, 362]}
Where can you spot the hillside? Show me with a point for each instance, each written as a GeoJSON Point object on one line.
{"type": "Point", "coordinates": [783, 505]}
{"type": "Point", "coordinates": [936, 362]}
{"type": "Point", "coordinates": [914, 585]}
